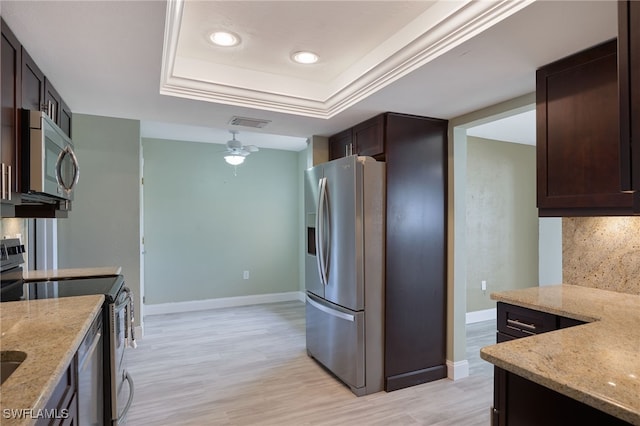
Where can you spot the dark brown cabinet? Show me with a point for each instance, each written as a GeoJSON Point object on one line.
{"type": "Point", "coordinates": [517, 401]}
{"type": "Point", "coordinates": [578, 133]}
{"type": "Point", "coordinates": [341, 144]}
{"type": "Point", "coordinates": [529, 404]}
{"type": "Point", "coordinates": [24, 85]}
{"type": "Point", "coordinates": [415, 295]}
{"type": "Point", "coordinates": [38, 93]}
{"type": "Point", "coordinates": [369, 136]}
{"type": "Point", "coordinates": [629, 85]}
{"type": "Point", "coordinates": [415, 152]}
{"type": "Point", "coordinates": [32, 84]}
{"type": "Point", "coordinates": [11, 98]}
{"type": "Point", "coordinates": [366, 138]}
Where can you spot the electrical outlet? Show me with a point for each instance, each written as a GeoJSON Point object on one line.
{"type": "Point", "coordinates": [245, 275]}
{"type": "Point", "coordinates": [483, 285]}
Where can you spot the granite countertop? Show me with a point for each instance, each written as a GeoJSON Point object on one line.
{"type": "Point", "coordinates": [596, 363]}
{"type": "Point", "coordinates": [49, 331]}
{"type": "Point", "coordinates": [54, 274]}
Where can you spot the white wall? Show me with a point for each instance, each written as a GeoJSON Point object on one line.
{"type": "Point", "coordinates": [103, 226]}
{"type": "Point", "coordinates": [205, 226]}
{"type": "Point", "coordinates": [502, 219]}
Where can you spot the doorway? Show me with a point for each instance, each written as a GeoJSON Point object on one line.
{"type": "Point", "coordinates": [495, 235]}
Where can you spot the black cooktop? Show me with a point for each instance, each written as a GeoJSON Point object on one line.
{"type": "Point", "coordinates": [109, 286]}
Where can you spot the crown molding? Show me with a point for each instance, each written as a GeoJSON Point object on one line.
{"type": "Point", "coordinates": [453, 24]}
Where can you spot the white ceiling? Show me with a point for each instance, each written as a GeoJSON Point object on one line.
{"type": "Point", "coordinates": [113, 58]}
{"type": "Point", "coordinates": [517, 128]}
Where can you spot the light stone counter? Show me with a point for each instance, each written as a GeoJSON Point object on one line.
{"type": "Point", "coordinates": [49, 331]}
{"type": "Point", "coordinates": [596, 363]}
{"type": "Point", "coordinates": [57, 274]}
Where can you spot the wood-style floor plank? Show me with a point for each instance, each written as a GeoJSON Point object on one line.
{"type": "Point", "coordinates": [249, 366]}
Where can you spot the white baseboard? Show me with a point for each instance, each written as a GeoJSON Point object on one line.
{"type": "Point", "coordinates": [478, 316]}
{"type": "Point", "coordinates": [139, 330]}
{"type": "Point", "coordinates": [457, 370]}
{"type": "Point", "coordinates": [223, 302]}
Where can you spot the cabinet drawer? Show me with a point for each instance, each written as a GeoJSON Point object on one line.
{"type": "Point", "coordinates": [517, 321]}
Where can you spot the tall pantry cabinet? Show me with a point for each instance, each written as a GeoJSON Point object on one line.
{"type": "Point", "coordinates": [415, 151]}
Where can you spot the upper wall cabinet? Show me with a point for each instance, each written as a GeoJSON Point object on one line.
{"type": "Point", "coordinates": [24, 85]}
{"type": "Point", "coordinates": [341, 144]}
{"type": "Point", "coordinates": [11, 61]}
{"type": "Point", "coordinates": [579, 165]}
{"type": "Point", "coordinates": [629, 78]}
{"type": "Point", "coordinates": [366, 138]}
{"type": "Point", "coordinates": [39, 94]}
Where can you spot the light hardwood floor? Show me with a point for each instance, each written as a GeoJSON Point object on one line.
{"type": "Point", "coordinates": [249, 366]}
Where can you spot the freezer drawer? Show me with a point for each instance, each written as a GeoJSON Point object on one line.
{"type": "Point", "coordinates": [335, 338]}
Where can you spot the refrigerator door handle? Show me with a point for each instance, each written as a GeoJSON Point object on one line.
{"type": "Point", "coordinates": [320, 228]}
{"type": "Point", "coordinates": [330, 311]}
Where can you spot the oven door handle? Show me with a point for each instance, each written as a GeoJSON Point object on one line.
{"type": "Point", "coordinates": [120, 306]}
{"type": "Point", "coordinates": [130, 400]}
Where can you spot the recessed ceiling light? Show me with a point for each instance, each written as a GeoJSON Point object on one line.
{"type": "Point", "coordinates": [224, 38]}
{"type": "Point", "coordinates": [303, 57]}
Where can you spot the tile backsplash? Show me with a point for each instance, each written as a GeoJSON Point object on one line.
{"type": "Point", "coordinates": [602, 252]}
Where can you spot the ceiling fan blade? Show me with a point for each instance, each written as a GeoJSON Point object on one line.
{"type": "Point", "coordinates": [251, 148]}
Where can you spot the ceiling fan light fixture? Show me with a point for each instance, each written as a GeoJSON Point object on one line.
{"type": "Point", "coordinates": [305, 57]}
{"type": "Point", "coordinates": [234, 160]}
{"type": "Point", "coordinates": [224, 38]}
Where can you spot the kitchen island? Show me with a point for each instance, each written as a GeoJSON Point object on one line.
{"type": "Point", "coordinates": [596, 364]}
{"type": "Point", "coordinates": [49, 331]}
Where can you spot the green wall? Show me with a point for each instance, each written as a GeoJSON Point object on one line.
{"type": "Point", "coordinates": [203, 226]}
{"type": "Point", "coordinates": [103, 227]}
{"type": "Point", "coordinates": [502, 219]}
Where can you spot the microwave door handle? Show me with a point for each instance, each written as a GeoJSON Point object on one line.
{"type": "Point", "coordinates": [76, 170]}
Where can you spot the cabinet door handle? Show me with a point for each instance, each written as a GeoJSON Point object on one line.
{"type": "Point", "coordinates": [519, 324]}
{"type": "Point", "coordinates": [4, 182]}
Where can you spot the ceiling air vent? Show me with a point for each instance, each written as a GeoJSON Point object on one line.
{"type": "Point", "coordinates": [249, 122]}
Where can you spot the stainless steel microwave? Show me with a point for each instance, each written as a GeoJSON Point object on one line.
{"type": "Point", "coordinates": [49, 164]}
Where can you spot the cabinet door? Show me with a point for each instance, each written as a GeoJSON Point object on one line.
{"type": "Point", "coordinates": [415, 290]}
{"type": "Point", "coordinates": [11, 60]}
{"type": "Point", "coordinates": [65, 118]}
{"type": "Point", "coordinates": [368, 137]}
{"type": "Point", "coordinates": [32, 84]}
{"type": "Point", "coordinates": [341, 145]}
{"type": "Point", "coordinates": [629, 85]}
{"type": "Point", "coordinates": [52, 101]}
{"type": "Point", "coordinates": [578, 155]}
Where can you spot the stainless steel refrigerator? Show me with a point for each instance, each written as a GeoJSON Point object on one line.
{"type": "Point", "coordinates": [344, 270]}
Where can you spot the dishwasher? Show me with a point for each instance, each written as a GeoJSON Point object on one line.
{"type": "Point", "coordinates": [90, 376]}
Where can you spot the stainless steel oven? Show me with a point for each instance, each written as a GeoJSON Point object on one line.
{"type": "Point", "coordinates": [114, 335]}
{"type": "Point", "coordinates": [118, 331]}
{"type": "Point", "coordinates": [120, 314]}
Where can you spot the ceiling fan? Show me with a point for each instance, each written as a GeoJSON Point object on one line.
{"type": "Point", "coordinates": [236, 152]}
